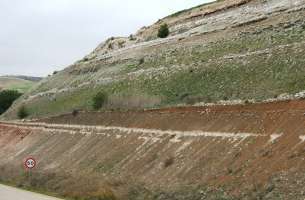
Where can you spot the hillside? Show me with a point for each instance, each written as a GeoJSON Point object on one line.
{"type": "Point", "coordinates": [215, 111]}
{"type": "Point", "coordinates": [226, 50]}
{"type": "Point", "coordinates": [16, 83]}
{"type": "Point", "coordinates": [240, 152]}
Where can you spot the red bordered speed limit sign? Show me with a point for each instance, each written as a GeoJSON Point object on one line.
{"type": "Point", "coordinates": [30, 163]}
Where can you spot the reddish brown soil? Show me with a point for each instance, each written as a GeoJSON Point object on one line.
{"type": "Point", "coordinates": [262, 118]}
{"type": "Point", "coordinates": [245, 167]}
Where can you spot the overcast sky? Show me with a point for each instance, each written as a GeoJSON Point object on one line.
{"type": "Point", "coordinates": [40, 36]}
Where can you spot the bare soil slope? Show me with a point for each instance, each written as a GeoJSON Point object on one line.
{"type": "Point", "coordinates": [254, 151]}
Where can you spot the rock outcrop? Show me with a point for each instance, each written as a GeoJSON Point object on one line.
{"type": "Point", "coordinates": [226, 50]}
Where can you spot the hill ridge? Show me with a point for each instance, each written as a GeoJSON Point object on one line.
{"type": "Point", "coordinates": [236, 52]}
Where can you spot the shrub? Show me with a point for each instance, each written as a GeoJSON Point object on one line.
{"type": "Point", "coordinates": [168, 162]}
{"type": "Point", "coordinates": [7, 97]}
{"type": "Point", "coordinates": [99, 100]}
{"type": "Point", "coordinates": [22, 112]}
{"type": "Point", "coordinates": [131, 37]}
{"type": "Point", "coordinates": [163, 31]}
{"type": "Point", "coordinates": [141, 61]}
{"type": "Point", "coordinates": [75, 112]}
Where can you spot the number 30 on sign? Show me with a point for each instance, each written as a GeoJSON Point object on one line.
{"type": "Point", "coordinates": [30, 163]}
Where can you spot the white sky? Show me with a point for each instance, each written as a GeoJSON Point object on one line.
{"type": "Point", "coordinates": [40, 36]}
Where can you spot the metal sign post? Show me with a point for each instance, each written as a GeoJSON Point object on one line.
{"type": "Point", "coordinates": [29, 164]}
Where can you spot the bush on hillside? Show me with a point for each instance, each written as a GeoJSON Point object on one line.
{"type": "Point", "coordinates": [132, 37]}
{"type": "Point", "coordinates": [163, 31]}
{"type": "Point", "coordinates": [168, 162]}
{"type": "Point", "coordinates": [7, 97]}
{"type": "Point", "coordinates": [141, 61]}
{"type": "Point", "coordinates": [22, 112]}
{"type": "Point", "coordinates": [99, 100]}
{"type": "Point", "coordinates": [75, 112]}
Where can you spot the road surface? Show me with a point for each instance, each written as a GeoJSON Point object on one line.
{"type": "Point", "coordinates": [10, 193]}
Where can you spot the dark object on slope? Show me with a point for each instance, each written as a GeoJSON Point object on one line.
{"type": "Point", "coordinates": [163, 31]}
{"type": "Point", "coordinates": [22, 112]}
{"type": "Point", "coordinates": [99, 100]}
{"type": "Point", "coordinates": [7, 97]}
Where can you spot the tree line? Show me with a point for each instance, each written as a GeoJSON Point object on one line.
{"type": "Point", "coordinates": [7, 97]}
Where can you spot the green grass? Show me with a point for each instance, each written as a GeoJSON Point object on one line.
{"type": "Point", "coordinates": [259, 78]}
{"type": "Point", "coordinates": [22, 87]}
{"type": "Point", "coordinates": [203, 75]}
{"type": "Point", "coordinates": [66, 102]}
{"type": "Point", "coordinates": [16, 84]}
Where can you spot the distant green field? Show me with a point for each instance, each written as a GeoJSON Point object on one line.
{"type": "Point", "coordinates": [12, 83]}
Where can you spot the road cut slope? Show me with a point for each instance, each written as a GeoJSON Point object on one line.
{"type": "Point", "coordinates": [229, 152]}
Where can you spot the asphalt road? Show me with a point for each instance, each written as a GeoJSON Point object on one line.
{"type": "Point", "coordinates": [10, 193]}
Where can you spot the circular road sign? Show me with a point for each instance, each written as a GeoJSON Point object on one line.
{"type": "Point", "coordinates": [30, 163]}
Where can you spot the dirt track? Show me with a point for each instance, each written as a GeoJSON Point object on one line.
{"type": "Point", "coordinates": [243, 149]}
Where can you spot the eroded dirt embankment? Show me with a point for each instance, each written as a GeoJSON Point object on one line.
{"type": "Point", "coordinates": [241, 151]}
